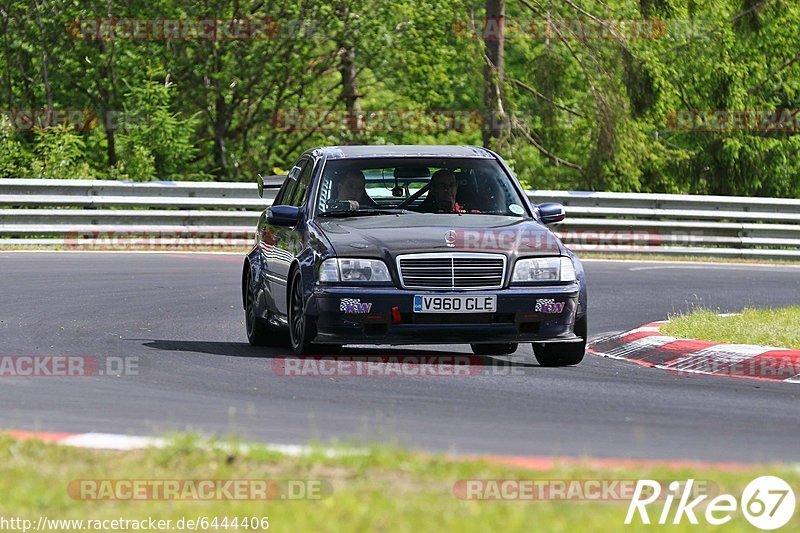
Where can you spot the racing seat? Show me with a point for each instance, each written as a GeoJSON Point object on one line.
{"type": "Point", "coordinates": [467, 193]}
{"type": "Point", "coordinates": [491, 197]}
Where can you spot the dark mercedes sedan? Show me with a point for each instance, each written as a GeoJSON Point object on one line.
{"type": "Point", "coordinates": [412, 245]}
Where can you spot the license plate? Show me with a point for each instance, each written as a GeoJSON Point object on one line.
{"type": "Point", "coordinates": [455, 304]}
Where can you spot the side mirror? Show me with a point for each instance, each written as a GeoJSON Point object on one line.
{"type": "Point", "coordinates": [551, 212]}
{"type": "Point", "coordinates": [260, 180]}
{"type": "Point", "coordinates": [283, 215]}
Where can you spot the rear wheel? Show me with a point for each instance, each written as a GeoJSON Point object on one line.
{"type": "Point", "coordinates": [259, 332]}
{"type": "Point", "coordinates": [563, 354]}
{"type": "Point", "coordinates": [494, 349]}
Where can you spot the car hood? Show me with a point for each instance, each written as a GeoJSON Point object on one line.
{"type": "Point", "coordinates": [387, 236]}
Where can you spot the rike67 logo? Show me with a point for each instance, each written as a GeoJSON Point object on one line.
{"type": "Point", "coordinates": [767, 502]}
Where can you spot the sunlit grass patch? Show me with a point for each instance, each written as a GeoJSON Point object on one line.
{"type": "Point", "coordinates": [379, 487]}
{"type": "Point", "coordinates": [767, 327]}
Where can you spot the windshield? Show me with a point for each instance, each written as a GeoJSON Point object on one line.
{"type": "Point", "coordinates": [361, 187]}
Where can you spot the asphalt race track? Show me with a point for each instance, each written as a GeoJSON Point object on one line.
{"type": "Point", "coordinates": [180, 317]}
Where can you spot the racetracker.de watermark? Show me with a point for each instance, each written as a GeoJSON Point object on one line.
{"type": "Point", "coordinates": [158, 240]}
{"type": "Point", "coordinates": [492, 29]}
{"type": "Point", "coordinates": [731, 120]}
{"type": "Point", "coordinates": [589, 490]}
{"type": "Point", "coordinates": [71, 366]}
{"type": "Point", "coordinates": [538, 240]}
{"type": "Point", "coordinates": [46, 119]}
{"type": "Point", "coordinates": [191, 29]}
{"type": "Point", "coordinates": [391, 366]}
{"type": "Point", "coordinates": [722, 363]}
{"type": "Point", "coordinates": [545, 242]}
{"type": "Point", "coordinates": [377, 120]}
{"type": "Point", "coordinates": [198, 489]}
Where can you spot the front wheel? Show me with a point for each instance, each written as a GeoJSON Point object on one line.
{"type": "Point", "coordinates": [302, 327]}
{"type": "Point", "coordinates": [563, 354]}
{"type": "Point", "coordinates": [494, 348]}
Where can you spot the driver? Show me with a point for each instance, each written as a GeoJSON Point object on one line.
{"type": "Point", "coordinates": [352, 187]}
{"type": "Point", "coordinates": [441, 197]}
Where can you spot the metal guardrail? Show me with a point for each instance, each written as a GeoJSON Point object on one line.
{"type": "Point", "coordinates": [102, 214]}
{"type": "Point", "coordinates": [723, 226]}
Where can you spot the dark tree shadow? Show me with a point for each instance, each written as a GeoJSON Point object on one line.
{"type": "Point", "coordinates": [242, 349]}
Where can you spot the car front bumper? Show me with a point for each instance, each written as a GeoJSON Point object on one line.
{"type": "Point", "coordinates": [385, 315]}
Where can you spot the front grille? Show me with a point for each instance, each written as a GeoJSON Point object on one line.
{"type": "Point", "coordinates": [452, 271]}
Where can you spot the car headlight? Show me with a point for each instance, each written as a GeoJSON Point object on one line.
{"type": "Point", "coordinates": [353, 270]}
{"type": "Point", "coordinates": [543, 269]}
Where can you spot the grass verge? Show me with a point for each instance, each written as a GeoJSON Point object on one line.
{"type": "Point", "coordinates": [386, 489]}
{"type": "Point", "coordinates": [767, 327]}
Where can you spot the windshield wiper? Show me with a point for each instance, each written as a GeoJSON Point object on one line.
{"type": "Point", "coordinates": [362, 213]}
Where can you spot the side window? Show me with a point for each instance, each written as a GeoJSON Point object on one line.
{"type": "Point", "coordinates": [287, 186]}
{"type": "Point", "coordinates": [303, 184]}
{"type": "Point", "coordinates": [284, 195]}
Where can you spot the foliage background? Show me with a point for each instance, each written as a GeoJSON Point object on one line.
{"type": "Point", "coordinates": [590, 114]}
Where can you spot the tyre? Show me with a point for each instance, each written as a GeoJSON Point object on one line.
{"type": "Point", "coordinates": [494, 349]}
{"type": "Point", "coordinates": [259, 332]}
{"type": "Point", "coordinates": [302, 328]}
{"type": "Point", "coordinates": [563, 354]}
